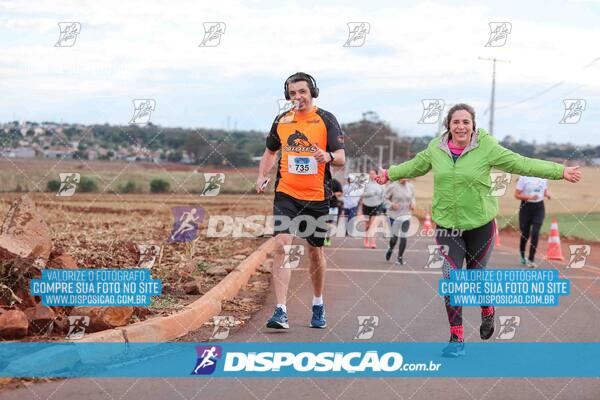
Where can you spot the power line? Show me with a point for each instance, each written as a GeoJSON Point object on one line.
{"type": "Point", "coordinates": [546, 90]}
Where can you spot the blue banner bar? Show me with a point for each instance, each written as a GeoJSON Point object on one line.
{"type": "Point", "coordinates": [96, 287]}
{"type": "Point", "coordinates": [293, 359]}
{"type": "Point", "coordinates": [505, 287]}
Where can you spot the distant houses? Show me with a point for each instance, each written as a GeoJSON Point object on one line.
{"type": "Point", "coordinates": [60, 153]}
{"type": "Point", "coordinates": [19, 152]}
{"type": "Point", "coordinates": [65, 141]}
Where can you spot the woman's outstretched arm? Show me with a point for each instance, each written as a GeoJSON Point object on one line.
{"type": "Point", "coordinates": [418, 166]}
{"type": "Point", "coordinates": [508, 161]}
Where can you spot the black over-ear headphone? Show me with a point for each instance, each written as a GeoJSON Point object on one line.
{"type": "Point", "coordinates": [312, 84]}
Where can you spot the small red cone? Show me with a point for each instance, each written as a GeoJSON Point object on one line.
{"type": "Point", "coordinates": [427, 225]}
{"type": "Point", "coordinates": [554, 252]}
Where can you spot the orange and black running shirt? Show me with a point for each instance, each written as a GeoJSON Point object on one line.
{"type": "Point", "coordinates": [299, 174]}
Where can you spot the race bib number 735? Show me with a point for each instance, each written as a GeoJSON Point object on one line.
{"type": "Point", "coordinates": [303, 165]}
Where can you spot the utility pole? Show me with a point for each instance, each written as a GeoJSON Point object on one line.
{"type": "Point", "coordinates": [392, 140]}
{"type": "Point", "coordinates": [380, 147]}
{"type": "Point", "coordinates": [493, 101]}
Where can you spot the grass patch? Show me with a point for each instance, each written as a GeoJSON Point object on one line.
{"type": "Point", "coordinates": [203, 266]}
{"type": "Point", "coordinates": [165, 301]}
{"type": "Point", "coordinates": [586, 227]}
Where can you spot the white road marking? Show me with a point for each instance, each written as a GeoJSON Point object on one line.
{"type": "Point", "coordinates": [374, 250]}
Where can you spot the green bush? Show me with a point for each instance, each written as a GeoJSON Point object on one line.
{"type": "Point", "coordinates": [175, 156]}
{"type": "Point", "coordinates": [159, 186]}
{"type": "Point", "coordinates": [87, 185]}
{"type": "Point", "coordinates": [130, 187]}
{"type": "Point", "coordinates": [53, 185]}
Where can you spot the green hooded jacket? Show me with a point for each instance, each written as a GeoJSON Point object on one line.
{"type": "Point", "coordinates": [462, 196]}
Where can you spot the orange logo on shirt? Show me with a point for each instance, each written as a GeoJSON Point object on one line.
{"type": "Point", "coordinates": [298, 143]}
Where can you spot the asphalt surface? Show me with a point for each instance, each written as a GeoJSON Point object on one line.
{"type": "Point", "coordinates": [404, 299]}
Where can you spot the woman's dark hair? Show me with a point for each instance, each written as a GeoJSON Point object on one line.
{"type": "Point", "coordinates": [458, 107]}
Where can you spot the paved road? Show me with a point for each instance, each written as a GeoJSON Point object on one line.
{"type": "Point", "coordinates": [361, 283]}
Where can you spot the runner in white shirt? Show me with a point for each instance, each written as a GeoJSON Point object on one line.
{"type": "Point", "coordinates": [531, 191]}
{"type": "Point", "coordinates": [372, 201]}
{"type": "Point", "coordinates": [351, 198]}
{"type": "Point", "coordinates": [400, 201]}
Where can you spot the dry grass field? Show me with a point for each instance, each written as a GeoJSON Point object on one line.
{"type": "Point", "coordinates": [103, 231]}
{"type": "Point", "coordinates": [576, 206]}
{"type": "Point", "coordinates": [33, 175]}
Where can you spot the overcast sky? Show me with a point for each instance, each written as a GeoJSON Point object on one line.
{"type": "Point", "coordinates": [141, 49]}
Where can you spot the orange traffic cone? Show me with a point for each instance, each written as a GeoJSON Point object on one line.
{"type": "Point", "coordinates": [554, 252]}
{"type": "Point", "coordinates": [427, 225]}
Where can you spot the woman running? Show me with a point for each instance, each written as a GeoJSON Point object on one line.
{"type": "Point", "coordinates": [372, 200]}
{"type": "Point", "coordinates": [350, 200]}
{"type": "Point", "coordinates": [399, 199]}
{"type": "Point", "coordinates": [531, 191]}
{"type": "Point", "coordinates": [461, 160]}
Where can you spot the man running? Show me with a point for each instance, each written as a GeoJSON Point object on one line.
{"type": "Point", "coordinates": [461, 160]}
{"type": "Point", "coordinates": [310, 139]}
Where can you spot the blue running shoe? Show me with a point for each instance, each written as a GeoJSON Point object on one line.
{"type": "Point", "coordinates": [279, 320]}
{"type": "Point", "coordinates": [454, 349]}
{"type": "Point", "coordinates": [318, 317]}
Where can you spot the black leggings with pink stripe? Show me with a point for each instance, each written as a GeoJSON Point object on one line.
{"type": "Point", "coordinates": [473, 246]}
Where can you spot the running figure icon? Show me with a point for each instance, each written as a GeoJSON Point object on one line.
{"type": "Point", "coordinates": [187, 221]}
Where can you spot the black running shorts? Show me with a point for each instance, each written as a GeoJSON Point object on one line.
{"type": "Point", "coordinates": [305, 219]}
